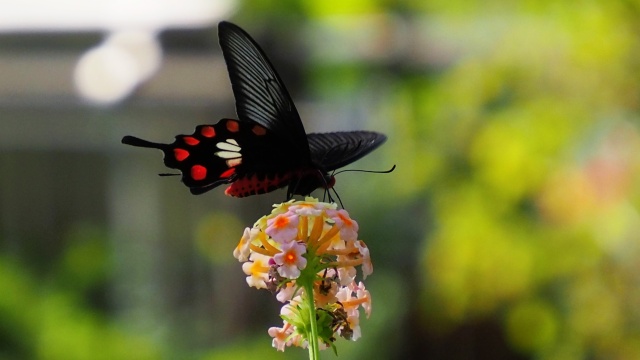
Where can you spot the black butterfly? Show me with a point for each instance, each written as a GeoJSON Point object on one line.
{"type": "Point", "coordinates": [267, 148]}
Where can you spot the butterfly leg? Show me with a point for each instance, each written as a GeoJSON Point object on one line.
{"type": "Point", "coordinates": [293, 186]}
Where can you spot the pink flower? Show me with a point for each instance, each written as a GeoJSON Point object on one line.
{"type": "Point", "coordinates": [367, 265]}
{"type": "Point", "coordinates": [283, 228]}
{"type": "Point", "coordinates": [346, 274]}
{"type": "Point", "coordinates": [363, 295]}
{"type": "Point", "coordinates": [348, 226]}
{"type": "Point", "coordinates": [307, 209]}
{"type": "Point", "coordinates": [280, 336]}
{"type": "Point", "coordinates": [345, 295]}
{"type": "Point", "coordinates": [291, 260]}
{"type": "Point", "coordinates": [286, 293]}
{"type": "Point", "coordinates": [354, 325]}
{"type": "Point", "coordinates": [307, 253]}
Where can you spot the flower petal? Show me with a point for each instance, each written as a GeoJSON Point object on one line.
{"type": "Point", "coordinates": [283, 228]}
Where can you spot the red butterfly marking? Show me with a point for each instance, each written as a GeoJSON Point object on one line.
{"type": "Point", "coordinates": [234, 162]}
{"type": "Point", "coordinates": [258, 130]}
{"type": "Point", "coordinates": [208, 131]}
{"type": "Point", "coordinates": [233, 126]}
{"type": "Point", "coordinates": [198, 172]}
{"type": "Point", "coordinates": [190, 140]}
{"type": "Point", "coordinates": [255, 185]}
{"type": "Point", "coordinates": [228, 173]}
{"type": "Point", "coordinates": [180, 154]}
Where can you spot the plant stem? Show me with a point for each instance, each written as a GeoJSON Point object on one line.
{"type": "Point", "coordinates": [314, 350]}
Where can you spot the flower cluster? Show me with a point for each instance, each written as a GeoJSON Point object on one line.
{"type": "Point", "coordinates": [306, 253]}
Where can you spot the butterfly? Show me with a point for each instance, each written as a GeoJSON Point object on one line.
{"type": "Point", "coordinates": [267, 148]}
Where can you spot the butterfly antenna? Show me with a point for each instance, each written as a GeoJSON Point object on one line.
{"type": "Point", "coordinates": [168, 174]}
{"type": "Point", "coordinates": [338, 196]}
{"type": "Point", "coordinates": [368, 171]}
{"type": "Point", "coordinates": [134, 141]}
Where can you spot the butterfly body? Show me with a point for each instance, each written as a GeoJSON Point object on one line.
{"type": "Point", "coordinates": [267, 147]}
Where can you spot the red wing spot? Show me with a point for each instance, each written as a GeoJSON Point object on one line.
{"type": "Point", "coordinates": [233, 126]}
{"type": "Point", "coordinates": [259, 130]}
{"type": "Point", "coordinates": [234, 162]}
{"type": "Point", "coordinates": [198, 172]}
{"type": "Point", "coordinates": [180, 154]}
{"type": "Point", "coordinates": [190, 140]}
{"type": "Point", "coordinates": [208, 131]}
{"type": "Point", "coordinates": [228, 173]}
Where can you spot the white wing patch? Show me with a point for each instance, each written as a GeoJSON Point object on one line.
{"type": "Point", "coordinates": [228, 154]}
{"type": "Point", "coordinates": [231, 150]}
{"type": "Point", "coordinates": [230, 145]}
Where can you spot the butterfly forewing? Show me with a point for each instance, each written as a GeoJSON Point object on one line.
{"type": "Point", "coordinates": [261, 96]}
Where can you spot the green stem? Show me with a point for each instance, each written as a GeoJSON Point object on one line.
{"type": "Point", "coordinates": [314, 349]}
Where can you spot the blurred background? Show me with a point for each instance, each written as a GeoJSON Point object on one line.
{"type": "Point", "coordinates": [509, 230]}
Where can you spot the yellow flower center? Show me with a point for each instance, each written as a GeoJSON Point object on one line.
{"type": "Point", "coordinates": [258, 268]}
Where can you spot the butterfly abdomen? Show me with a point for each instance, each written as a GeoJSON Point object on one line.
{"type": "Point", "coordinates": [256, 184]}
{"type": "Point", "coordinates": [301, 181]}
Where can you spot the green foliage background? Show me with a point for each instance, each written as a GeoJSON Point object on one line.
{"type": "Point", "coordinates": [510, 228]}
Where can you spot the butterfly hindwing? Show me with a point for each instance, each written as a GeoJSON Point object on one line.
{"type": "Point", "coordinates": [247, 155]}
{"type": "Point", "coordinates": [221, 153]}
{"type": "Point", "coordinates": [330, 151]}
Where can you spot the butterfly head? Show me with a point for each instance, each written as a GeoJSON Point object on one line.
{"type": "Point", "coordinates": [328, 181]}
